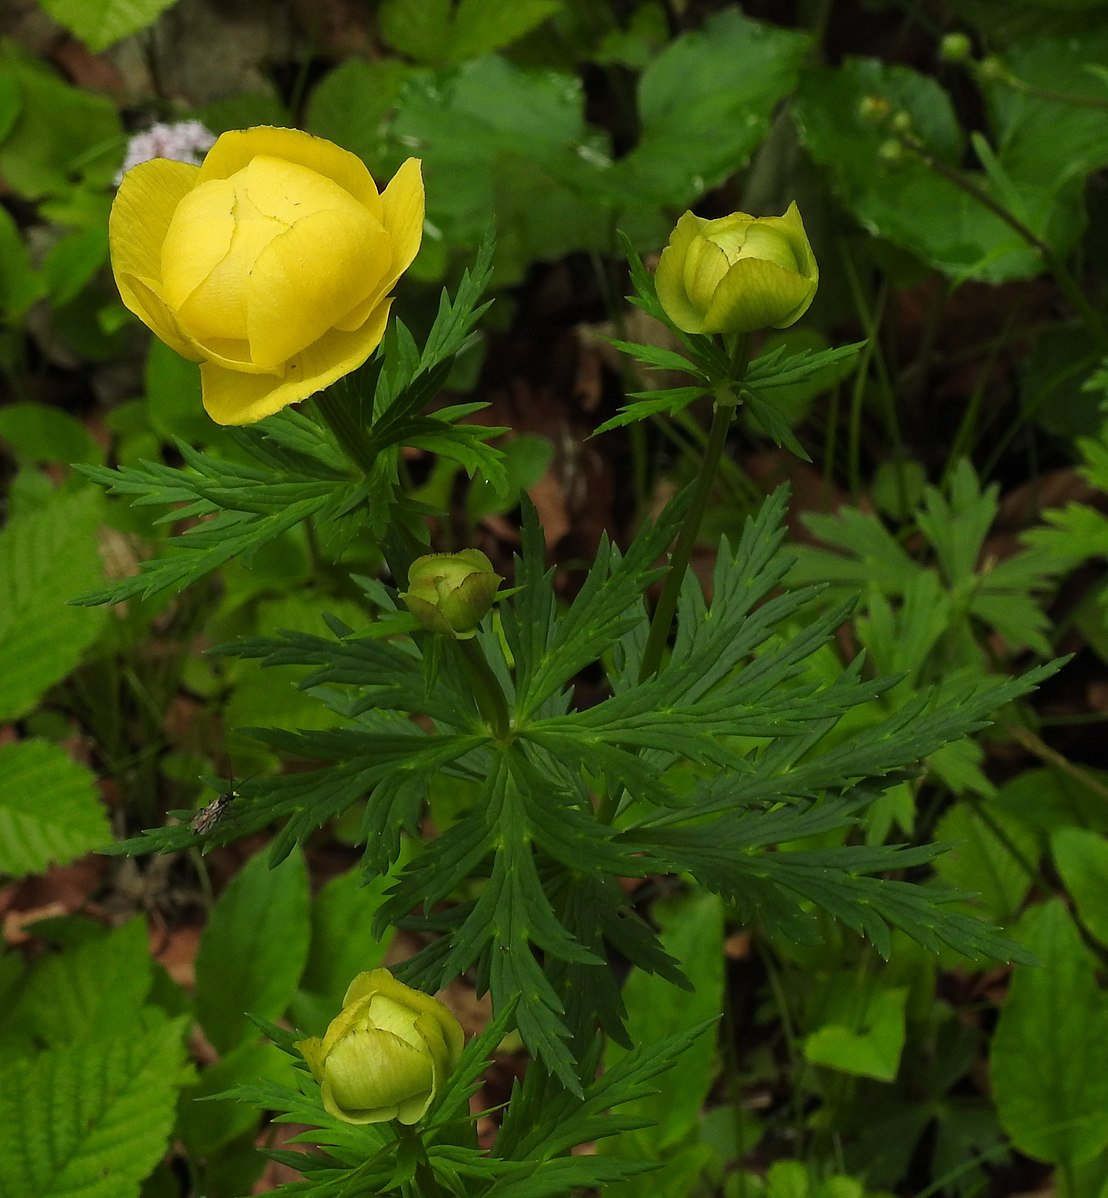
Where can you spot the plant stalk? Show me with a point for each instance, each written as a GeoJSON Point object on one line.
{"type": "Point", "coordinates": [487, 690]}
{"type": "Point", "coordinates": [727, 401]}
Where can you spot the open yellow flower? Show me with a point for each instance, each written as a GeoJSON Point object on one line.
{"type": "Point", "coordinates": [386, 1052]}
{"type": "Point", "coordinates": [270, 264]}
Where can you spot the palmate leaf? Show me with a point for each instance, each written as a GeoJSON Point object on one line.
{"type": "Point", "coordinates": [517, 814]}
{"type": "Point", "coordinates": [410, 378]}
{"type": "Point", "coordinates": [205, 547]}
{"type": "Point", "coordinates": [544, 1121]}
{"type": "Point", "coordinates": [652, 403]}
{"type": "Point", "coordinates": [90, 1118]}
{"type": "Point", "coordinates": [730, 855]}
{"type": "Point", "coordinates": [548, 653]}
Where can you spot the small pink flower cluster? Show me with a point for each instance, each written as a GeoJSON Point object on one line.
{"type": "Point", "coordinates": [184, 141]}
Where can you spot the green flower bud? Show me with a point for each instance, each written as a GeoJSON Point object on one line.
{"type": "Point", "coordinates": [992, 70]}
{"type": "Point", "coordinates": [874, 110]}
{"type": "Point", "coordinates": [955, 47]}
{"type": "Point", "coordinates": [449, 593]}
{"type": "Point", "coordinates": [386, 1053]}
{"type": "Point", "coordinates": [737, 274]}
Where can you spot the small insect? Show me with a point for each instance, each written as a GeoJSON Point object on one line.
{"type": "Point", "coordinates": [205, 820]}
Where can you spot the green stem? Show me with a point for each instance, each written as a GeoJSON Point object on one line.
{"type": "Point", "coordinates": [727, 398]}
{"type": "Point", "coordinates": [486, 689]}
{"type": "Point", "coordinates": [426, 1184]}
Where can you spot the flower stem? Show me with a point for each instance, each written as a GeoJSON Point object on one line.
{"type": "Point", "coordinates": [424, 1183]}
{"type": "Point", "coordinates": [727, 401]}
{"type": "Point", "coordinates": [486, 689]}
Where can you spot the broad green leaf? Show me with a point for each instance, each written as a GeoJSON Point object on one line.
{"type": "Point", "coordinates": [172, 397]}
{"type": "Point", "coordinates": [38, 432]}
{"type": "Point", "coordinates": [254, 948]}
{"type": "Point", "coordinates": [992, 856]}
{"type": "Point", "coordinates": [72, 262]}
{"type": "Point", "coordinates": [91, 1118]}
{"type": "Point", "coordinates": [60, 132]}
{"type": "Point", "coordinates": [1045, 800]}
{"type": "Point", "coordinates": [87, 991]}
{"type": "Point", "coordinates": [1082, 859]}
{"type": "Point", "coordinates": [1049, 1060]}
{"type": "Point", "coordinates": [101, 23]}
{"type": "Point", "coordinates": [350, 104]}
{"type": "Point", "coordinates": [692, 932]}
{"type": "Point", "coordinates": [46, 558]}
{"type": "Point", "coordinates": [1049, 140]}
{"type": "Point", "coordinates": [705, 103]}
{"type": "Point", "coordinates": [526, 458]}
{"type": "Point", "coordinates": [437, 31]}
{"type": "Point", "coordinates": [271, 696]}
{"type": "Point", "coordinates": [905, 201]}
{"type": "Point", "coordinates": [343, 944]}
{"type": "Point", "coordinates": [206, 1125]}
{"type": "Point", "coordinates": [488, 115]}
{"type": "Point", "coordinates": [49, 809]}
{"type": "Point", "coordinates": [20, 283]}
{"type": "Point", "coordinates": [864, 1035]}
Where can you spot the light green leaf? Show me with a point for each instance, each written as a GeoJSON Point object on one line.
{"type": "Point", "coordinates": [101, 23]}
{"type": "Point", "coordinates": [866, 1035]}
{"type": "Point", "coordinates": [49, 810]}
{"type": "Point", "coordinates": [435, 31]}
{"type": "Point", "coordinates": [61, 132]}
{"type": "Point", "coordinates": [38, 432]}
{"type": "Point", "coordinates": [993, 856]}
{"type": "Point", "coordinates": [349, 105]}
{"type": "Point", "coordinates": [343, 943]}
{"type": "Point", "coordinates": [488, 116]}
{"type": "Point", "coordinates": [206, 1126]}
{"type": "Point", "coordinates": [20, 283]}
{"type": "Point", "coordinates": [46, 557]}
{"type": "Point", "coordinates": [906, 201]}
{"type": "Point", "coordinates": [1049, 141]}
{"type": "Point", "coordinates": [254, 949]}
{"type": "Point", "coordinates": [90, 990]}
{"type": "Point", "coordinates": [89, 1119]}
{"type": "Point", "coordinates": [1049, 1061]}
{"type": "Point", "coordinates": [705, 103]}
{"type": "Point", "coordinates": [692, 932]}
{"type": "Point", "coordinates": [1082, 860]}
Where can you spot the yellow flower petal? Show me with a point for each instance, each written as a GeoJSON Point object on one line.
{"type": "Point", "coordinates": [197, 241]}
{"type": "Point", "coordinates": [403, 203]}
{"type": "Point", "coordinates": [367, 1070]}
{"type": "Point", "coordinates": [370, 982]}
{"type": "Point", "coordinates": [311, 1050]}
{"type": "Point", "coordinates": [234, 150]}
{"type": "Point", "coordinates": [668, 278]}
{"type": "Point", "coordinates": [141, 213]}
{"type": "Point", "coordinates": [308, 279]}
{"type": "Point", "coordinates": [145, 301]}
{"type": "Point", "coordinates": [140, 216]}
{"type": "Point", "coordinates": [233, 397]}
{"type": "Point", "coordinates": [756, 295]}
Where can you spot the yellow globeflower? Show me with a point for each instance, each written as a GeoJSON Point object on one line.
{"type": "Point", "coordinates": [386, 1052]}
{"type": "Point", "coordinates": [270, 264]}
{"type": "Point", "coordinates": [737, 274]}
